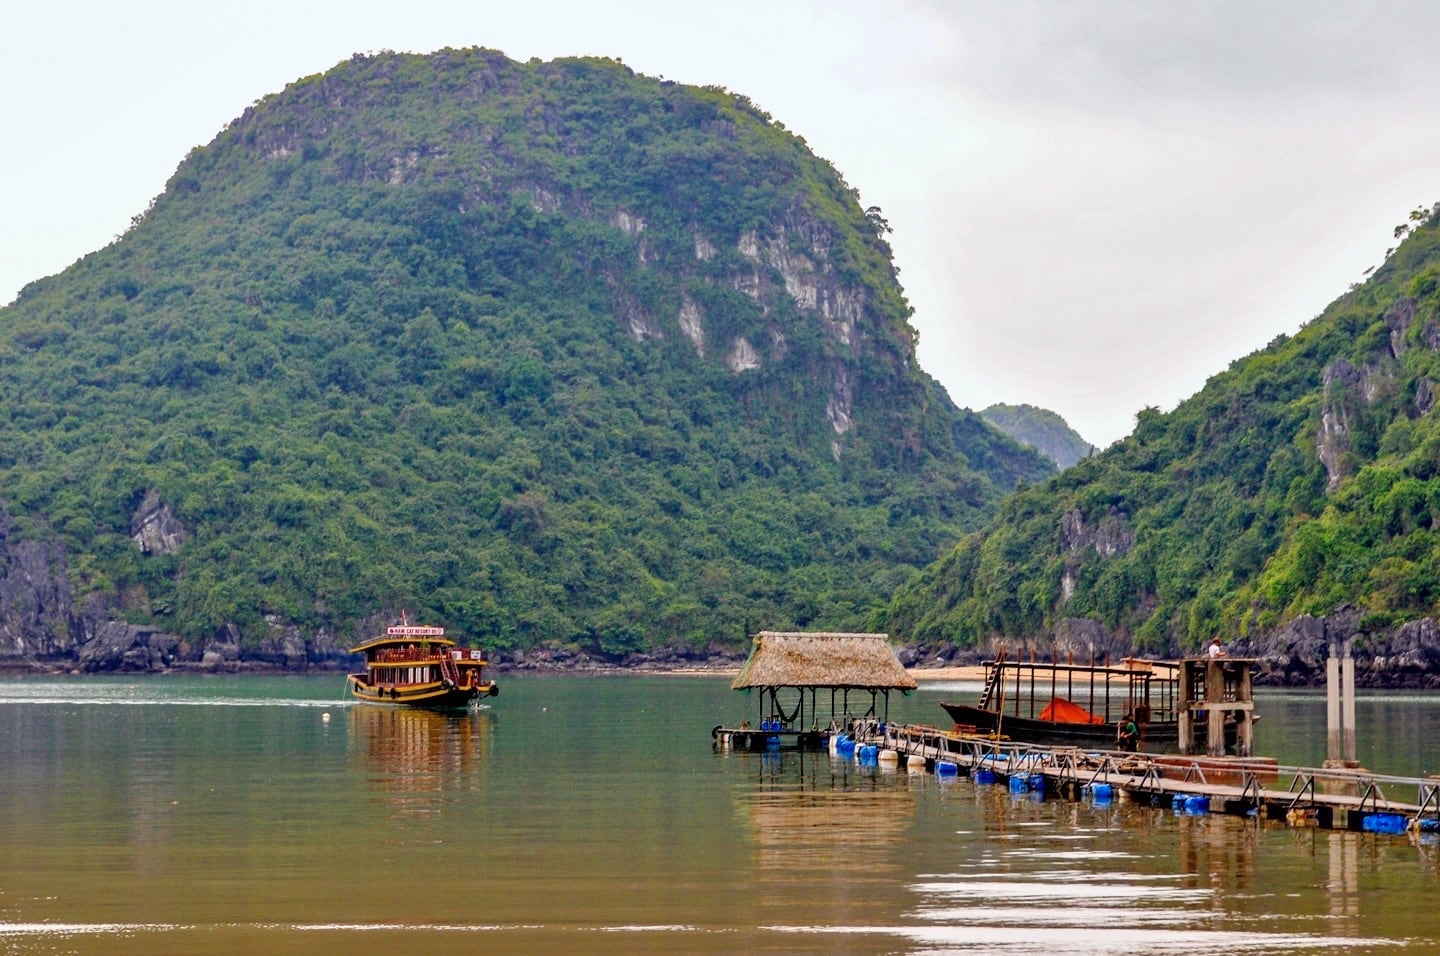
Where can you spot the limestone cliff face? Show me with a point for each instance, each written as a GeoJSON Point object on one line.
{"type": "Point", "coordinates": [790, 259]}
{"type": "Point", "coordinates": [36, 602]}
{"type": "Point", "coordinates": [1349, 390]}
{"type": "Point", "coordinates": [1109, 537]}
{"type": "Point", "coordinates": [1341, 382]}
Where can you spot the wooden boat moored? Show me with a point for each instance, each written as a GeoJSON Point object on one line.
{"type": "Point", "coordinates": [418, 666]}
{"type": "Point", "coordinates": [1054, 704]}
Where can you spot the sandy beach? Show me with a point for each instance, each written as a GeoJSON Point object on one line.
{"type": "Point", "coordinates": [944, 674]}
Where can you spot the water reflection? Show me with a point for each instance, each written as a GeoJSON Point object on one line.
{"type": "Point", "coordinates": [1217, 852]}
{"type": "Point", "coordinates": [1123, 878]}
{"type": "Point", "coordinates": [1343, 886]}
{"type": "Point", "coordinates": [821, 819]}
{"type": "Point", "coordinates": [416, 757]}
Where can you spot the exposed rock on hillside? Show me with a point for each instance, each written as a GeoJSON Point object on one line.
{"type": "Point", "coordinates": [155, 528]}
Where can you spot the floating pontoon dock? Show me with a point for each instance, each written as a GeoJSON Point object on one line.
{"type": "Point", "coordinates": [1303, 796]}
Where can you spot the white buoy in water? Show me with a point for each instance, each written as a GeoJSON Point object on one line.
{"type": "Point", "coordinates": [915, 763]}
{"type": "Point", "coordinates": [889, 757]}
{"type": "Point", "coordinates": [325, 716]}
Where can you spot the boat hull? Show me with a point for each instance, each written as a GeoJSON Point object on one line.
{"type": "Point", "coordinates": [1155, 737]}
{"type": "Point", "coordinates": [433, 695]}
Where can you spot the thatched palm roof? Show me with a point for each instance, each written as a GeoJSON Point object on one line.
{"type": "Point", "coordinates": [797, 659]}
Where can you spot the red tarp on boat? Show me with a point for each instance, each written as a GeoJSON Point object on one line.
{"type": "Point", "coordinates": [1063, 711]}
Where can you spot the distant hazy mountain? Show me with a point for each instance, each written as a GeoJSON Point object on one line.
{"type": "Point", "coordinates": [545, 352]}
{"type": "Point", "coordinates": [1041, 429]}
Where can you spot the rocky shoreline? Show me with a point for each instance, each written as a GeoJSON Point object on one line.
{"type": "Point", "coordinates": [924, 664]}
{"type": "Point", "coordinates": [1404, 657]}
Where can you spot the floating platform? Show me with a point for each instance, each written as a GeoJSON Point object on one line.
{"type": "Point", "coordinates": [767, 737]}
{"type": "Point", "coordinates": [1331, 798]}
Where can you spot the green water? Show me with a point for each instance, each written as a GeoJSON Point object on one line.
{"type": "Point", "coordinates": [231, 815]}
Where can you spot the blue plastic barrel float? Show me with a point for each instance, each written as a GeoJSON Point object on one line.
{"type": "Point", "coordinates": [1019, 784]}
{"type": "Point", "coordinates": [1190, 803]}
{"type": "Point", "coordinates": [1036, 782]}
{"type": "Point", "coordinates": [868, 755]}
{"type": "Point", "coordinates": [1100, 793]}
{"type": "Point", "coordinates": [1383, 823]}
{"type": "Point", "coordinates": [946, 768]}
{"type": "Point", "coordinates": [983, 775]}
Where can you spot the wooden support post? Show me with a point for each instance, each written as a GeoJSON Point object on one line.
{"type": "Point", "coordinates": [1032, 681]}
{"type": "Point", "coordinates": [1184, 711]}
{"type": "Point", "coordinates": [1245, 719]}
{"type": "Point", "coordinates": [1215, 716]}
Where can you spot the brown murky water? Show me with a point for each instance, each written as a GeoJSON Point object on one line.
{"type": "Point", "coordinates": [231, 815]}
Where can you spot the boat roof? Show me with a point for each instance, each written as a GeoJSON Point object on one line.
{"type": "Point", "coordinates": [406, 634]}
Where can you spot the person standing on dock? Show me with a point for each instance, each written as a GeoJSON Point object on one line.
{"type": "Point", "coordinates": [1127, 735]}
{"type": "Point", "coordinates": [1215, 649]}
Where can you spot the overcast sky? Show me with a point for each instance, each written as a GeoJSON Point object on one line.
{"type": "Point", "coordinates": [1096, 205]}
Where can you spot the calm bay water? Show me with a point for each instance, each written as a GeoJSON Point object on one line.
{"type": "Point", "coordinates": [257, 814]}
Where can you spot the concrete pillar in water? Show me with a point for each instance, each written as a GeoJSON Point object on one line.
{"type": "Point", "coordinates": [1340, 704]}
{"type": "Point", "coordinates": [1332, 703]}
{"type": "Point", "coordinates": [1347, 680]}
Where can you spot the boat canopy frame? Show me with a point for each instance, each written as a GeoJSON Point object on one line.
{"type": "Point", "coordinates": [1150, 690]}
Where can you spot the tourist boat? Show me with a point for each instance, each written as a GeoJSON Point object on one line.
{"type": "Point", "coordinates": [419, 666]}
{"type": "Point", "coordinates": [1054, 704]}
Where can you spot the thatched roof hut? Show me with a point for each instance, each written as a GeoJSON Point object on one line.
{"type": "Point", "coordinates": [820, 659]}
{"type": "Point", "coordinates": [797, 662]}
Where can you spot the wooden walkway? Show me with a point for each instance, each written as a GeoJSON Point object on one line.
{"type": "Point", "coordinates": [1303, 796]}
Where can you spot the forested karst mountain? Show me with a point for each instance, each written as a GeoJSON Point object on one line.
{"type": "Point", "coordinates": [548, 352]}
{"type": "Point", "coordinates": [1301, 483]}
{"type": "Point", "coordinates": [1041, 429]}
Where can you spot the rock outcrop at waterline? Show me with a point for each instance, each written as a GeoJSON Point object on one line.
{"type": "Point", "coordinates": [43, 629]}
{"type": "Point", "coordinates": [109, 646]}
{"type": "Point", "coordinates": [36, 600]}
{"type": "Point", "coordinates": [1407, 655]}
{"type": "Point", "coordinates": [1404, 656]}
